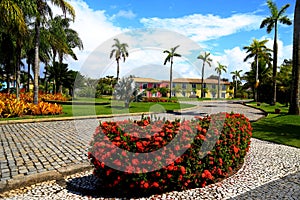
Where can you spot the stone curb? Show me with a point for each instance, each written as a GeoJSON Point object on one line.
{"type": "Point", "coordinates": [265, 113]}
{"type": "Point", "coordinates": [58, 175]}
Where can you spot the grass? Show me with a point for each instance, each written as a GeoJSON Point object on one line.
{"type": "Point", "coordinates": [113, 107]}
{"type": "Point", "coordinates": [279, 128]}
{"type": "Point", "coordinates": [118, 108]}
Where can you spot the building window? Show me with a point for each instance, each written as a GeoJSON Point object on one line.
{"type": "Point", "coordinates": [145, 85]}
{"type": "Point", "coordinates": [154, 85]}
{"type": "Point", "coordinates": [174, 85]}
{"type": "Point", "coordinates": [183, 85]}
{"type": "Point", "coordinates": [223, 95]}
{"type": "Point", "coordinates": [223, 87]}
{"type": "Point", "coordinates": [194, 85]}
{"type": "Point", "coordinates": [204, 85]}
{"type": "Point", "coordinates": [183, 94]}
{"type": "Point", "coordinates": [213, 86]}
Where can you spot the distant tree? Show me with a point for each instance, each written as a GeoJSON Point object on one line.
{"type": "Point", "coordinates": [271, 22]}
{"type": "Point", "coordinates": [169, 58]}
{"type": "Point", "coordinates": [119, 50]}
{"type": "Point", "coordinates": [259, 52]}
{"type": "Point", "coordinates": [219, 70]}
{"type": "Point", "coordinates": [235, 77]}
{"type": "Point", "coordinates": [205, 59]}
{"type": "Point", "coordinates": [284, 84]}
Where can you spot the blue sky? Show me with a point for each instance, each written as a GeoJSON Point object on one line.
{"type": "Point", "coordinates": [220, 27]}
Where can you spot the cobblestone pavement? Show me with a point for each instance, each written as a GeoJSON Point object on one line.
{"type": "Point", "coordinates": [31, 148]}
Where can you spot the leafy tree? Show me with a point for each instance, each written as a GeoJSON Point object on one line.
{"type": "Point", "coordinates": [235, 77]}
{"type": "Point", "coordinates": [205, 59]}
{"type": "Point", "coordinates": [271, 22]}
{"type": "Point", "coordinates": [119, 50]}
{"type": "Point", "coordinates": [284, 83]}
{"type": "Point", "coordinates": [294, 107]}
{"type": "Point", "coordinates": [169, 58]}
{"type": "Point", "coordinates": [219, 70]}
{"type": "Point", "coordinates": [60, 74]}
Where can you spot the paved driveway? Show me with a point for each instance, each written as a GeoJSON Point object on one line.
{"type": "Point", "coordinates": [32, 148]}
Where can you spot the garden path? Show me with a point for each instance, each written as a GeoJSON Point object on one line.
{"type": "Point", "coordinates": [31, 152]}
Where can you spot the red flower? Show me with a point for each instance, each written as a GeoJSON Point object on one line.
{"type": "Point", "coordinates": [182, 169]}
{"type": "Point", "coordinates": [207, 174]}
{"type": "Point", "coordinates": [155, 184]}
{"type": "Point", "coordinates": [235, 149]}
{"type": "Point", "coordinates": [146, 185]}
{"type": "Point", "coordinates": [117, 162]}
{"type": "Point", "coordinates": [135, 161]}
{"type": "Point", "coordinates": [169, 176]}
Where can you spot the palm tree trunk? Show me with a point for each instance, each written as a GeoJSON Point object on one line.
{"type": "Point", "coordinates": [275, 50]}
{"type": "Point", "coordinates": [235, 91]}
{"type": "Point", "coordinates": [36, 62]}
{"type": "Point", "coordinates": [256, 80]}
{"type": "Point", "coordinates": [18, 62]}
{"type": "Point", "coordinates": [118, 69]}
{"type": "Point", "coordinates": [294, 107]}
{"type": "Point", "coordinates": [202, 93]}
{"type": "Point", "coordinates": [218, 96]}
{"type": "Point", "coordinates": [171, 78]}
{"type": "Point", "coordinates": [28, 74]}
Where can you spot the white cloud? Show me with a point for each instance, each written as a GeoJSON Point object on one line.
{"type": "Point", "coordinates": [93, 28]}
{"type": "Point", "coordinates": [205, 27]}
{"type": "Point", "coordinates": [124, 14]}
{"type": "Point", "coordinates": [233, 59]}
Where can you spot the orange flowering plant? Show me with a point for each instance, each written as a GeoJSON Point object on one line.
{"type": "Point", "coordinates": [169, 155]}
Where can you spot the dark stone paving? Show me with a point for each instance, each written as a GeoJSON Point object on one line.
{"type": "Point", "coordinates": [31, 148]}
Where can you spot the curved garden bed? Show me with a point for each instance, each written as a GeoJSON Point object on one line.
{"type": "Point", "coordinates": [190, 154]}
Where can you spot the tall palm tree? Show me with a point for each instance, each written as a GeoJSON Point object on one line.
{"type": "Point", "coordinates": [257, 50]}
{"type": "Point", "coordinates": [219, 70]}
{"type": "Point", "coordinates": [271, 22]}
{"type": "Point", "coordinates": [120, 50]}
{"type": "Point", "coordinates": [169, 58]}
{"type": "Point", "coordinates": [235, 77]}
{"type": "Point", "coordinates": [43, 10]}
{"type": "Point", "coordinates": [205, 59]}
{"type": "Point", "coordinates": [294, 107]}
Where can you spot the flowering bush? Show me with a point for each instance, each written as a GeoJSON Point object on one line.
{"type": "Point", "coordinates": [191, 153]}
{"type": "Point", "coordinates": [157, 99]}
{"type": "Point", "coordinates": [11, 107]}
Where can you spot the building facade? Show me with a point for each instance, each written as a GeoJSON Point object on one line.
{"type": "Point", "coordinates": [185, 87]}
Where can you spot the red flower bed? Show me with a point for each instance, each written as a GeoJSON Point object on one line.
{"type": "Point", "coordinates": [170, 155]}
{"type": "Point", "coordinates": [157, 99]}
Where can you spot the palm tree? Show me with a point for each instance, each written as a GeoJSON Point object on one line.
{"type": "Point", "coordinates": [294, 107]}
{"type": "Point", "coordinates": [169, 58]}
{"type": "Point", "coordinates": [120, 50]}
{"type": "Point", "coordinates": [271, 22]}
{"type": "Point", "coordinates": [43, 10]}
{"type": "Point", "coordinates": [235, 77]}
{"type": "Point", "coordinates": [12, 16]}
{"type": "Point", "coordinates": [205, 59]}
{"type": "Point", "coordinates": [257, 50]}
{"type": "Point", "coordinates": [219, 70]}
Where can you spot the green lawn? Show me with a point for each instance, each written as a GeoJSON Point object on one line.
{"type": "Point", "coordinates": [279, 128]}
{"type": "Point", "coordinates": [118, 108]}
{"type": "Point", "coordinates": [112, 107]}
